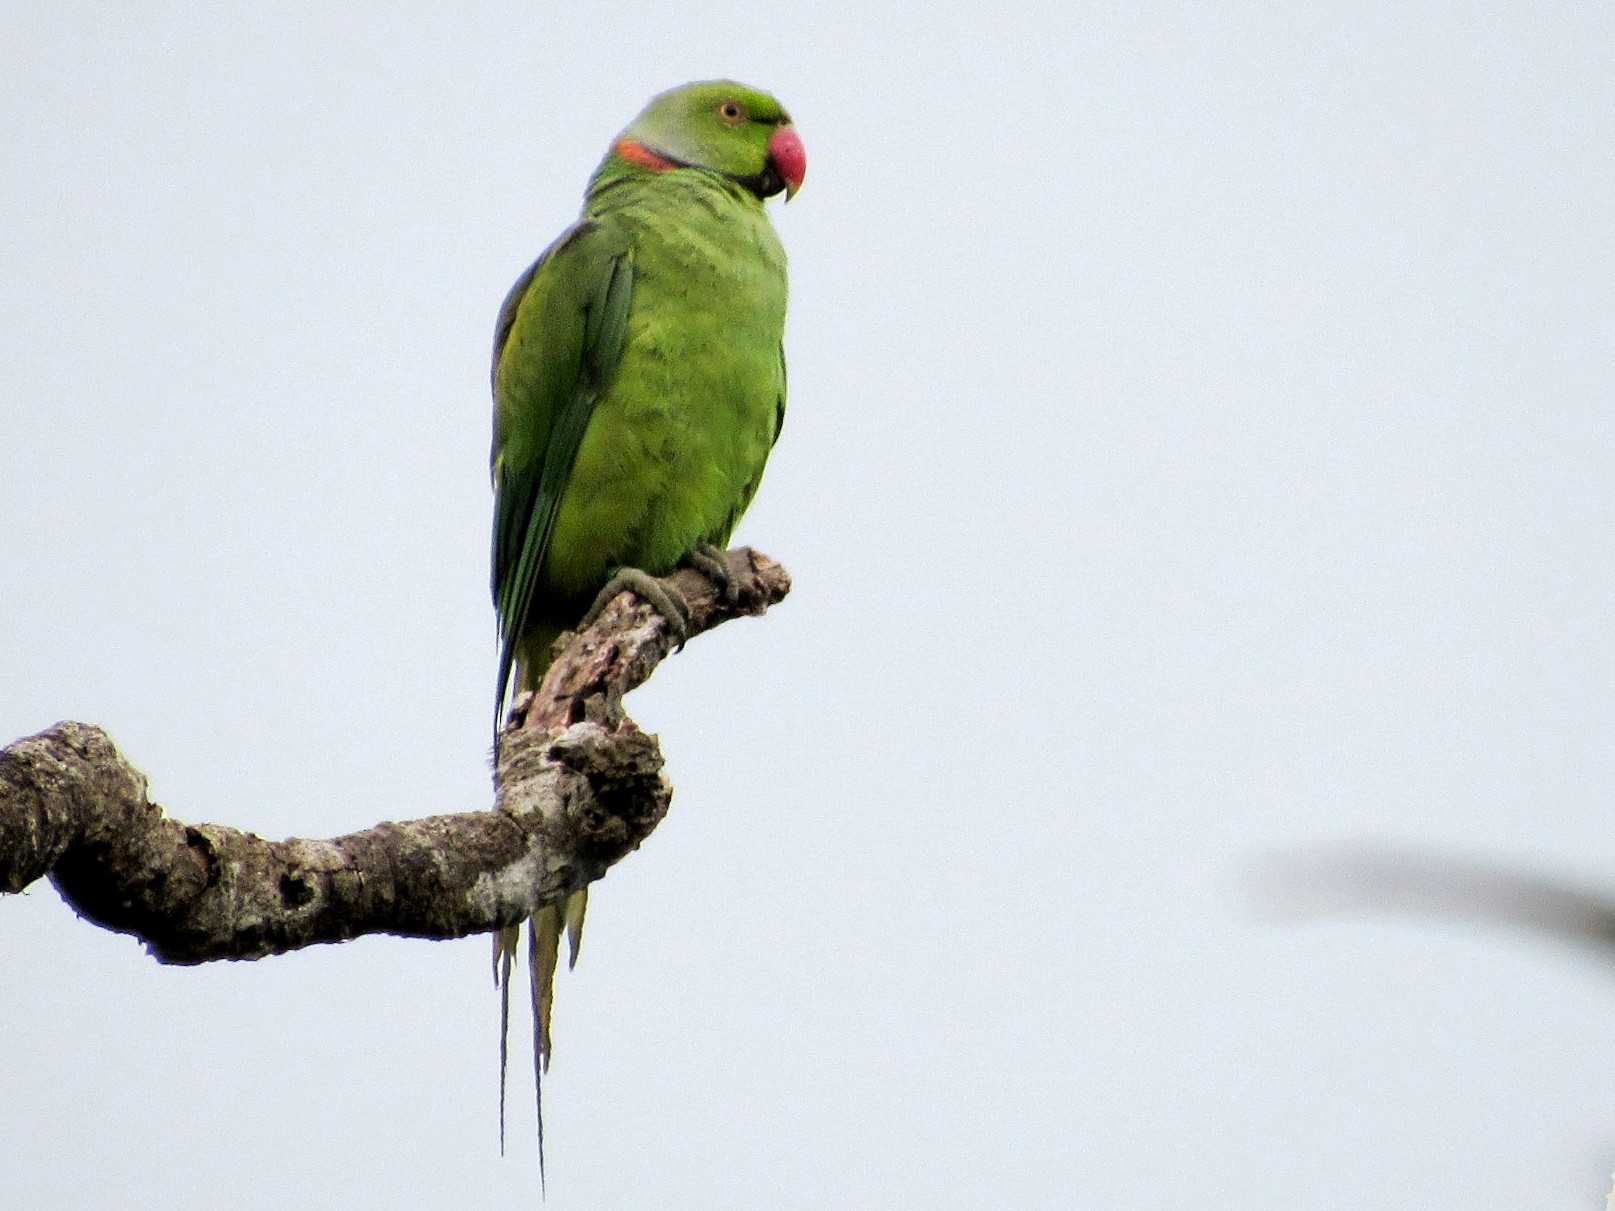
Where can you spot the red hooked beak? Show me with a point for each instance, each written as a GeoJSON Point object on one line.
{"type": "Point", "coordinates": [788, 156]}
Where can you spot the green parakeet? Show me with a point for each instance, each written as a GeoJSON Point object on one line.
{"type": "Point", "coordinates": [639, 385]}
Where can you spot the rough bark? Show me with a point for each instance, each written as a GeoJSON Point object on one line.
{"type": "Point", "coordinates": [577, 787]}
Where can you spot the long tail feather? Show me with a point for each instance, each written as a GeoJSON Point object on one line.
{"type": "Point", "coordinates": [543, 949]}
{"type": "Point", "coordinates": [505, 942]}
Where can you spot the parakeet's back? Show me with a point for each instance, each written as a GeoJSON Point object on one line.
{"type": "Point", "coordinates": [639, 384]}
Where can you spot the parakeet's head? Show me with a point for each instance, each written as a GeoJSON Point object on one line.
{"type": "Point", "coordinates": [722, 127]}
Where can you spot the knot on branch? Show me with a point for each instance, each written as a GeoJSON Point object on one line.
{"type": "Point", "coordinates": [628, 793]}
{"type": "Point", "coordinates": [587, 796]}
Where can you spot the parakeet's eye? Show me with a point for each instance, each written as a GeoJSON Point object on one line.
{"type": "Point", "coordinates": [732, 112]}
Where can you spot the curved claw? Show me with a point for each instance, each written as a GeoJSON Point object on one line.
{"type": "Point", "coordinates": [662, 597]}
{"type": "Point", "coordinates": [709, 561]}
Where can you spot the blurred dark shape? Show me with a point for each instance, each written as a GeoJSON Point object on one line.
{"type": "Point", "coordinates": [1344, 880]}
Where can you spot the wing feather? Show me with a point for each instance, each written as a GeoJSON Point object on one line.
{"type": "Point", "coordinates": [557, 344]}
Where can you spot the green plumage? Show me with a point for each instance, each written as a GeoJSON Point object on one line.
{"type": "Point", "coordinates": [639, 384]}
{"type": "Point", "coordinates": [639, 378]}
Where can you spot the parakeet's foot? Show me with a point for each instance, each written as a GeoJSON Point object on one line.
{"type": "Point", "coordinates": [663, 597]}
{"type": "Point", "coordinates": [709, 561]}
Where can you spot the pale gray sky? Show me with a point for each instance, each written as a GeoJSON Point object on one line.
{"type": "Point", "coordinates": [1200, 441]}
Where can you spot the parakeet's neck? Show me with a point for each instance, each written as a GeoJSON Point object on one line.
{"type": "Point", "coordinates": [619, 183]}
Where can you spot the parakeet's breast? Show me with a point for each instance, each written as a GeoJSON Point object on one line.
{"type": "Point", "coordinates": [677, 443]}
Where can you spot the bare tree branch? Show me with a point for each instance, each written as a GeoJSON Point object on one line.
{"type": "Point", "coordinates": [1351, 879]}
{"type": "Point", "coordinates": [577, 787]}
